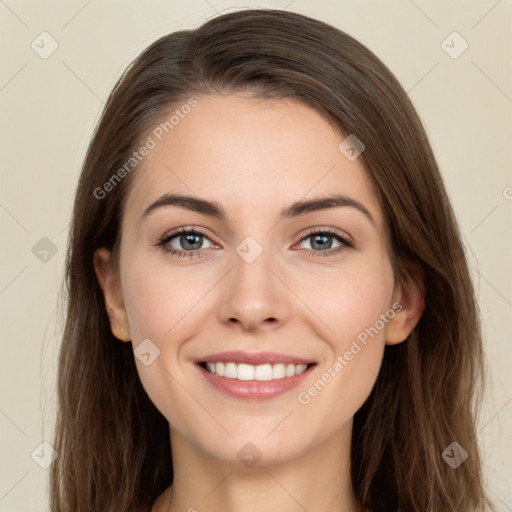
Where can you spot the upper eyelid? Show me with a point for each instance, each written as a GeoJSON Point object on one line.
{"type": "Point", "coordinates": [187, 230]}
{"type": "Point", "coordinates": [326, 229]}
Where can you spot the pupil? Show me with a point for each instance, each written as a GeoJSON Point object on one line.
{"type": "Point", "coordinates": [190, 238]}
{"type": "Point", "coordinates": [324, 244]}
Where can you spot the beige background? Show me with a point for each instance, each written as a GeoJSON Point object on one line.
{"type": "Point", "coordinates": [50, 106]}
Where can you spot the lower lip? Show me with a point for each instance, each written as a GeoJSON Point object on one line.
{"type": "Point", "coordinates": [255, 390]}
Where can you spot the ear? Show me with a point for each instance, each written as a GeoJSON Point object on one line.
{"type": "Point", "coordinates": [108, 277]}
{"type": "Point", "coordinates": [409, 293]}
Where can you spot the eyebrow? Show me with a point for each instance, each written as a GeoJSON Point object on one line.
{"type": "Point", "coordinates": [296, 209]}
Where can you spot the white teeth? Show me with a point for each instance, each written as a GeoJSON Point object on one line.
{"type": "Point", "coordinates": [290, 370]}
{"type": "Point", "coordinates": [230, 371]}
{"type": "Point", "coordinates": [278, 371]}
{"type": "Point", "coordinates": [245, 372]}
{"type": "Point", "coordinates": [262, 372]}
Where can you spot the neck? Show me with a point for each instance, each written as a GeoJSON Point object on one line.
{"type": "Point", "coordinates": [315, 480]}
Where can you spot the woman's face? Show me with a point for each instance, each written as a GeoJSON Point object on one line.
{"type": "Point", "coordinates": [312, 285]}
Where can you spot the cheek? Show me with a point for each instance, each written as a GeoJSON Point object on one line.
{"type": "Point", "coordinates": [164, 304]}
{"type": "Point", "coordinates": [353, 310]}
{"type": "Point", "coordinates": [160, 299]}
{"type": "Point", "coordinates": [350, 301]}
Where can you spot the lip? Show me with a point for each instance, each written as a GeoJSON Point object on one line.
{"type": "Point", "coordinates": [253, 358]}
{"type": "Point", "coordinates": [254, 390]}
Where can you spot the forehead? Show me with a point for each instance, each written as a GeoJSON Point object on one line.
{"type": "Point", "coordinates": [250, 155]}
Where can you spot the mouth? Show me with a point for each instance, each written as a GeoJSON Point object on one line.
{"type": "Point", "coordinates": [247, 372]}
{"type": "Point", "coordinates": [254, 377]}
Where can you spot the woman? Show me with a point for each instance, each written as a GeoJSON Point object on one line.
{"type": "Point", "coordinates": [243, 371]}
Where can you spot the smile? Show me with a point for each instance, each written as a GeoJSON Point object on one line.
{"type": "Point", "coordinates": [248, 382]}
{"type": "Point", "coordinates": [263, 372]}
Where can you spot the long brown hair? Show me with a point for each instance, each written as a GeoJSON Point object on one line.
{"type": "Point", "coordinates": [113, 444]}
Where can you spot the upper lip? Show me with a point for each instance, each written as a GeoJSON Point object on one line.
{"type": "Point", "coordinates": [252, 358]}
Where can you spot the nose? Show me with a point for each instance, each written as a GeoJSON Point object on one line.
{"type": "Point", "coordinates": [254, 296]}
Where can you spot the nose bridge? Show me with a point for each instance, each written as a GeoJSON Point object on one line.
{"type": "Point", "coordinates": [253, 294]}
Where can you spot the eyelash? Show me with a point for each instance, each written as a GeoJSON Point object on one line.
{"type": "Point", "coordinates": [162, 242]}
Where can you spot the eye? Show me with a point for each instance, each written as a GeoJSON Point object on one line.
{"type": "Point", "coordinates": [321, 244]}
{"type": "Point", "coordinates": [190, 241]}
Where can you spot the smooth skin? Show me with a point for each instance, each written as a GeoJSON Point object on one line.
{"type": "Point", "coordinates": [254, 158]}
